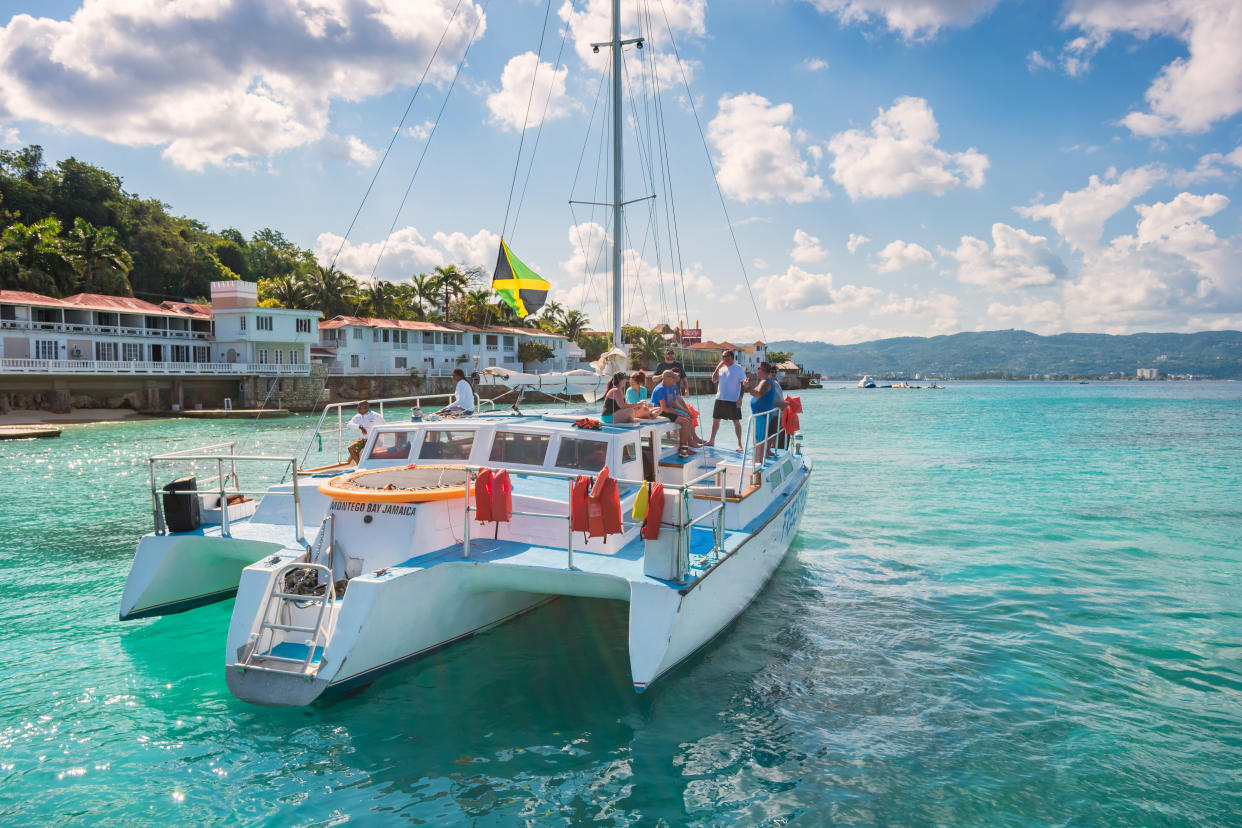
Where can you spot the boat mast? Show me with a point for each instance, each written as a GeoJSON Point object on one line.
{"type": "Point", "coordinates": [616, 45]}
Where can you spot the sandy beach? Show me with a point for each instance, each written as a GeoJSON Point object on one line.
{"type": "Point", "coordinates": [76, 416]}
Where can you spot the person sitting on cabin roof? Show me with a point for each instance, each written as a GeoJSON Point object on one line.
{"type": "Point", "coordinates": [667, 396]}
{"type": "Point", "coordinates": [364, 421]}
{"type": "Point", "coordinates": [637, 392]}
{"type": "Point", "coordinates": [616, 407]}
{"type": "Point", "coordinates": [463, 401]}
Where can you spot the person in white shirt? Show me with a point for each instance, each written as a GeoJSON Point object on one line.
{"type": "Point", "coordinates": [463, 399]}
{"type": "Point", "coordinates": [730, 379]}
{"type": "Point", "coordinates": [364, 421]}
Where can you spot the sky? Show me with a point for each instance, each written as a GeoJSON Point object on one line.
{"type": "Point", "coordinates": [887, 167]}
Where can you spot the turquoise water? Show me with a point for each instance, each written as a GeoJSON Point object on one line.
{"type": "Point", "coordinates": [1009, 604]}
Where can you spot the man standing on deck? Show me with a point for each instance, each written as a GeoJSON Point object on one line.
{"type": "Point", "coordinates": [364, 421]}
{"type": "Point", "coordinates": [672, 363]}
{"type": "Point", "coordinates": [730, 379]}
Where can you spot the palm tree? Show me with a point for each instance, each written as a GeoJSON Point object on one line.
{"type": "Point", "coordinates": [378, 297]}
{"type": "Point", "coordinates": [33, 258]}
{"type": "Point", "coordinates": [288, 291]}
{"type": "Point", "coordinates": [98, 258]}
{"type": "Point", "coordinates": [648, 347]}
{"type": "Point", "coordinates": [475, 307]}
{"type": "Point", "coordinates": [573, 324]}
{"type": "Point", "coordinates": [329, 290]}
{"type": "Point", "coordinates": [552, 312]}
{"type": "Point", "coordinates": [451, 283]}
{"type": "Point", "coordinates": [423, 288]}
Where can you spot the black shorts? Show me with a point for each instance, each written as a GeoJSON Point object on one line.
{"type": "Point", "coordinates": [726, 410]}
{"type": "Point", "coordinates": [671, 415]}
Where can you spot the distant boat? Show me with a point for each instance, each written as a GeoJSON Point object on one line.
{"type": "Point", "coordinates": [866, 382]}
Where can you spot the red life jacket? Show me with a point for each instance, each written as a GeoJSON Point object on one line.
{"type": "Point", "coordinates": [655, 511]}
{"type": "Point", "coordinates": [502, 497]}
{"type": "Point", "coordinates": [578, 504]}
{"type": "Point", "coordinates": [604, 506]}
{"type": "Point", "coordinates": [483, 496]}
{"type": "Point", "coordinates": [789, 417]}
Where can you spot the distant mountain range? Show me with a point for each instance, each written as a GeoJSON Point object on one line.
{"type": "Point", "coordinates": [1019, 354]}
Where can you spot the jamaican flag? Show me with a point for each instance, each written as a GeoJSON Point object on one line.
{"type": "Point", "coordinates": [523, 289]}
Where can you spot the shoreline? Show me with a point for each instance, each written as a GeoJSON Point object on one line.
{"type": "Point", "coordinates": [78, 416]}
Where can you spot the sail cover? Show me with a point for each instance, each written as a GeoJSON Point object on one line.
{"type": "Point", "coordinates": [521, 288]}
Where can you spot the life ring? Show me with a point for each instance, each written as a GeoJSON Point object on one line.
{"type": "Point", "coordinates": [399, 484]}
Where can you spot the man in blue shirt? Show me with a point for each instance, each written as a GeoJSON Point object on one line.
{"type": "Point", "coordinates": [667, 398]}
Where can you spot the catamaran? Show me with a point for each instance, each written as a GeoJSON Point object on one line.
{"type": "Point", "coordinates": [446, 527]}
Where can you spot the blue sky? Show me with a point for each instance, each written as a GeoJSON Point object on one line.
{"type": "Point", "coordinates": [892, 167]}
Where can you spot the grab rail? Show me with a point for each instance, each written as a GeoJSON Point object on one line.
{"type": "Point", "coordinates": [417, 399]}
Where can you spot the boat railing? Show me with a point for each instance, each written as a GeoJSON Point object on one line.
{"type": "Point", "coordinates": [415, 401]}
{"type": "Point", "coordinates": [684, 524]}
{"type": "Point", "coordinates": [226, 470]}
{"type": "Point", "coordinates": [762, 449]}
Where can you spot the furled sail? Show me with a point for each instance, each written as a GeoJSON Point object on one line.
{"type": "Point", "coordinates": [521, 288]}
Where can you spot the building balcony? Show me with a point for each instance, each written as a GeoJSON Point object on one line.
{"type": "Point", "coordinates": [94, 366]}
{"type": "Point", "coordinates": [98, 330]}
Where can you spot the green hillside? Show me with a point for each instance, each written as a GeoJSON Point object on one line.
{"type": "Point", "coordinates": [1019, 354]}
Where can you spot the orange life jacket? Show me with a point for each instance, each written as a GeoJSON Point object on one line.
{"type": "Point", "coordinates": [502, 497]}
{"type": "Point", "coordinates": [789, 417]}
{"type": "Point", "coordinates": [655, 511]}
{"type": "Point", "coordinates": [604, 506]}
{"type": "Point", "coordinates": [578, 504]}
{"type": "Point", "coordinates": [483, 496]}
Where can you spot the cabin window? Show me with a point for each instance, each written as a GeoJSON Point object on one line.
{"type": "Point", "coordinates": [446, 445]}
{"type": "Point", "coordinates": [391, 445]}
{"type": "Point", "coordinates": [515, 447]}
{"type": "Point", "coordinates": [629, 452]}
{"type": "Point", "coordinates": [577, 453]}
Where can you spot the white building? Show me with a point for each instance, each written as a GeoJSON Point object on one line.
{"type": "Point", "coordinates": [95, 334]}
{"type": "Point", "coordinates": [363, 346]}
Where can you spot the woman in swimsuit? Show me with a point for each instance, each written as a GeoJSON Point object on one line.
{"type": "Point", "coordinates": [616, 409]}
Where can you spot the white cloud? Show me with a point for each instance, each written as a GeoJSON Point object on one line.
{"type": "Point", "coordinates": [899, 155]}
{"type": "Point", "coordinates": [796, 289]}
{"type": "Point", "coordinates": [1035, 61]}
{"type": "Point", "coordinates": [509, 105]}
{"type": "Point", "coordinates": [1079, 216]}
{"type": "Point", "coordinates": [1213, 166]}
{"type": "Point", "coordinates": [420, 132]}
{"type": "Point", "coordinates": [756, 156]}
{"type": "Point", "coordinates": [759, 263]}
{"type": "Point", "coordinates": [359, 153]}
{"type": "Point", "coordinates": [914, 19]}
{"type": "Point", "coordinates": [1041, 317]}
{"type": "Point", "coordinates": [942, 309]}
{"type": "Point", "coordinates": [1159, 221]}
{"type": "Point", "coordinates": [856, 241]}
{"type": "Point", "coordinates": [807, 248]}
{"type": "Point", "coordinates": [1016, 259]}
{"type": "Point", "coordinates": [9, 137]}
{"type": "Point", "coordinates": [219, 83]}
{"type": "Point", "coordinates": [592, 23]}
{"type": "Point", "coordinates": [1191, 93]}
{"type": "Point", "coordinates": [814, 65]}
{"type": "Point", "coordinates": [898, 255]}
{"type": "Point", "coordinates": [848, 336]}
{"type": "Point", "coordinates": [408, 252]}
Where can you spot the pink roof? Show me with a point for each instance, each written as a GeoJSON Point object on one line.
{"type": "Point", "coordinates": [119, 304]}
{"type": "Point", "coordinates": [25, 297]}
{"type": "Point", "coordinates": [369, 322]}
{"type": "Point", "coordinates": [188, 308]}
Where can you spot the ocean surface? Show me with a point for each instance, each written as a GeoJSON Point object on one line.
{"type": "Point", "coordinates": [1009, 605]}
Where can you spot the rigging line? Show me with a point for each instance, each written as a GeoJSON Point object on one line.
{"type": "Point", "coordinates": [586, 262]}
{"type": "Point", "coordinates": [672, 227]}
{"type": "Point", "coordinates": [637, 271]}
{"type": "Point", "coordinates": [712, 165]}
{"type": "Point", "coordinates": [534, 77]}
{"type": "Point", "coordinates": [395, 135]}
{"type": "Point", "coordinates": [430, 136]}
{"type": "Point", "coordinates": [586, 141]}
{"type": "Point", "coordinates": [539, 134]}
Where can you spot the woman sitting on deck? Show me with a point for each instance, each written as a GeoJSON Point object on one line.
{"type": "Point", "coordinates": [616, 409]}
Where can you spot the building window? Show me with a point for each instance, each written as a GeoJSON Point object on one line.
{"type": "Point", "coordinates": [508, 343]}
{"type": "Point", "coordinates": [242, 323]}
{"type": "Point", "coordinates": [180, 353]}
{"type": "Point", "coordinates": [357, 333]}
{"type": "Point", "coordinates": [303, 325]}
{"type": "Point", "coordinates": [295, 357]}
{"type": "Point", "coordinates": [202, 353]}
{"type": "Point", "coordinates": [47, 349]}
{"type": "Point", "coordinates": [131, 352]}
{"type": "Point", "coordinates": [263, 323]}
{"type": "Point", "coordinates": [262, 352]}
{"type": "Point", "coordinates": [428, 338]}
{"type": "Point", "coordinates": [106, 351]}
{"type": "Point", "coordinates": [399, 362]}
{"type": "Point", "coordinates": [492, 342]}
{"type": "Point", "coordinates": [353, 360]}
{"type": "Point", "coordinates": [280, 356]}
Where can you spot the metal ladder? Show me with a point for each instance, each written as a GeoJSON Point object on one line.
{"type": "Point", "coordinates": [277, 599]}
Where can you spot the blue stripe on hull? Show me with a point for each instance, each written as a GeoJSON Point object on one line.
{"type": "Point", "coordinates": [174, 607]}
